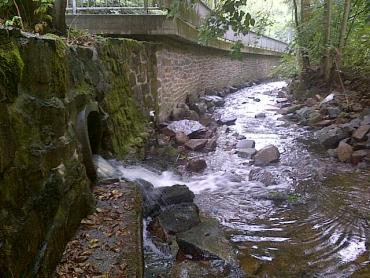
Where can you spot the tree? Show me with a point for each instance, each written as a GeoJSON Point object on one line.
{"type": "Point", "coordinates": [327, 60]}
{"type": "Point", "coordinates": [59, 20]}
{"type": "Point", "coordinates": [343, 29]}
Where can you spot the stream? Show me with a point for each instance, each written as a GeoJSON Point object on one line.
{"type": "Point", "coordinates": [313, 223]}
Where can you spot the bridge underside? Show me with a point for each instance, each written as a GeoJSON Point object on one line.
{"type": "Point", "coordinates": [151, 27]}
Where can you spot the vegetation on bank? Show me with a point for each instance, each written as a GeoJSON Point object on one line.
{"type": "Point", "coordinates": [328, 37]}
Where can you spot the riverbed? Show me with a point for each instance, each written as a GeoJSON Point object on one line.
{"type": "Point", "coordinates": [314, 222]}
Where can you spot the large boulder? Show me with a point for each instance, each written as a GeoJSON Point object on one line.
{"type": "Point", "coordinates": [344, 152]}
{"type": "Point", "coordinates": [151, 197]}
{"type": "Point", "coordinates": [175, 194]}
{"type": "Point", "coordinates": [179, 218]}
{"type": "Point", "coordinates": [206, 241]}
{"type": "Point", "coordinates": [267, 155]}
{"type": "Point", "coordinates": [330, 136]}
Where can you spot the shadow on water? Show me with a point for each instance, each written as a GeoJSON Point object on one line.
{"type": "Point", "coordinates": [313, 223]}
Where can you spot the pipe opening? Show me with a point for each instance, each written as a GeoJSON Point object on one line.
{"type": "Point", "coordinates": [94, 131]}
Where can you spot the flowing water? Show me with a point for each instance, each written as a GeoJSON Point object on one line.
{"type": "Point", "coordinates": [313, 223]}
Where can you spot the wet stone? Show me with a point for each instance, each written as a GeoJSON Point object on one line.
{"type": "Point", "coordinates": [262, 176]}
{"type": "Point", "coordinates": [267, 155]}
{"type": "Point", "coordinates": [179, 218]}
{"type": "Point", "coordinates": [175, 194]}
{"type": "Point", "coordinates": [196, 165]}
{"type": "Point", "coordinates": [196, 144]}
{"type": "Point", "coordinates": [245, 144]}
{"type": "Point", "coordinates": [207, 241]}
{"type": "Point", "coordinates": [188, 127]}
{"type": "Point", "coordinates": [247, 153]}
{"type": "Point", "coordinates": [227, 120]}
{"type": "Point", "coordinates": [260, 115]}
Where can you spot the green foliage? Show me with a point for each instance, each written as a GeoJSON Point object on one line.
{"type": "Point", "coordinates": [236, 50]}
{"type": "Point", "coordinates": [15, 21]}
{"type": "Point", "coordinates": [287, 68]}
{"type": "Point", "coordinates": [43, 6]}
{"type": "Point", "coordinates": [227, 13]}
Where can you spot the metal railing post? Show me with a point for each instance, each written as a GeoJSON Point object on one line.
{"type": "Point", "coordinates": [74, 7]}
{"type": "Point", "coordinates": [146, 6]}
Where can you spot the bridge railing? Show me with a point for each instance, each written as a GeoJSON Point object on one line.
{"type": "Point", "coordinates": [113, 6]}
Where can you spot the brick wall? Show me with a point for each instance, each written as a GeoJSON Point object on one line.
{"type": "Point", "coordinates": [186, 69]}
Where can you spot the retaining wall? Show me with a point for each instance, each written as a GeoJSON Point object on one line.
{"type": "Point", "coordinates": [187, 70]}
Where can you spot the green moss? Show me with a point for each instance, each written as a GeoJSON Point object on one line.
{"type": "Point", "coordinates": [11, 69]}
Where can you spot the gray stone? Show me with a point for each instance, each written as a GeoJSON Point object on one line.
{"type": "Point", "coordinates": [247, 153]}
{"type": "Point", "coordinates": [196, 144]}
{"type": "Point", "coordinates": [360, 133]}
{"type": "Point", "coordinates": [344, 152]}
{"type": "Point", "coordinates": [263, 176]}
{"type": "Point", "coordinates": [281, 100]}
{"type": "Point", "coordinates": [207, 241]}
{"type": "Point", "coordinates": [260, 115]}
{"type": "Point", "coordinates": [366, 120]}
{"type": "Point", "coordinates": [245, 144]}
{"type": "Point", "coordinates": [213, 101]}
{"type": "Point", "coordinates": [181, 138]}
{"type": "Point", "coordinates": [180, 112]}
{"type": "Point", "coordinates": [294, 108]}
{"type": "Point", "coordinates": [324, 123]}
{"type": "Point", "coordinates": [333, 112]}
{"type": "Point", "coordinates": [196, 165]}
{"type": "Point", "coordinates": [330, 136]}
{"type": "Point", "coordinates": [304, 113]}
{"type": "Point", "coordinates": [179, 218]}
{"type": "Point", "coordinates": [176, 194]}
{"type": "Point", "coordinates": [188, 127]}
{"type": "Point", "coordinates": [267, 155]}
{"type": "Point", "coordinates": [227, 120]}
{"type": "Point", "coordinates": [358, 156]}
{"type": "Point", "coordinates": [351, 126]}
{"type": "Point", "coordinates": [314, 118]}
{"type": "Point", "coordinates": [199, 107]}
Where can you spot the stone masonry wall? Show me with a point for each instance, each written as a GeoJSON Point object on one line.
{"type": "Point", "coordinates": [187, 70]}
{"type": "Point", "coordinates": [44, 84]}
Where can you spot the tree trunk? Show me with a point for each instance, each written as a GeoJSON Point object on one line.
{"type": "Point", "coordinates": [305, 12]}
{"type": "Point", "coordinates": [327, 61]}
{"type": "Point", "coordinates": [343, 29]}
{"type": "Point", "coordinates": [59, 19]}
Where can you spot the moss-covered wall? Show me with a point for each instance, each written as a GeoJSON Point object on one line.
{"type": "Point", "coordinates": [44, 190]}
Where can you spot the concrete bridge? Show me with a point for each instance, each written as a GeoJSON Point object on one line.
{"type": "Point", "coordinates": [145, 18]}
{"type": "Point", "coordinates": [184, 67]}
